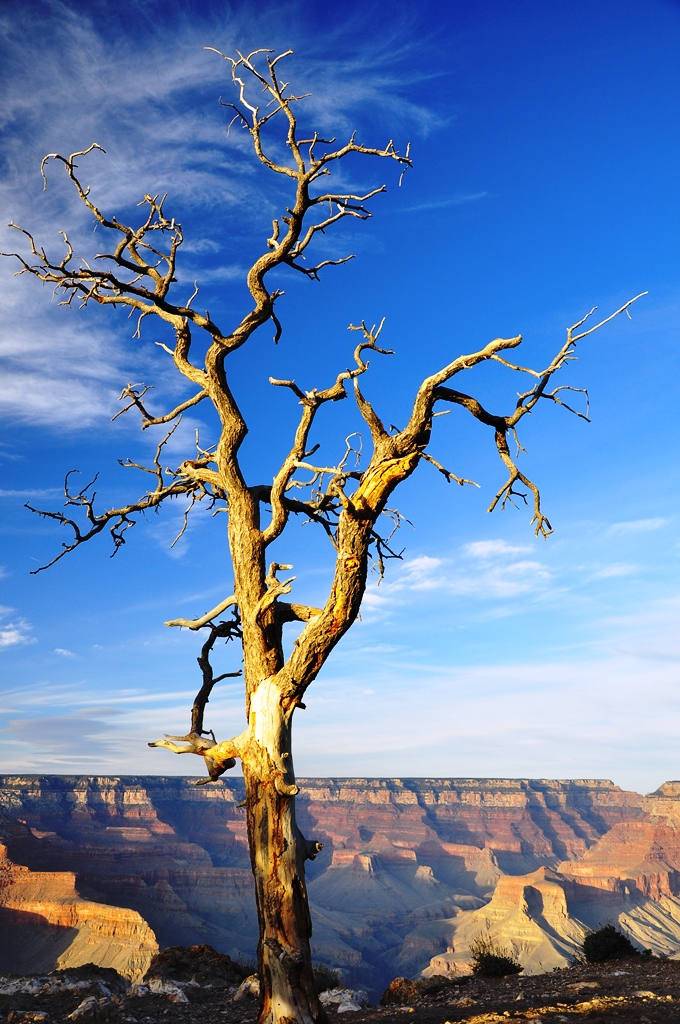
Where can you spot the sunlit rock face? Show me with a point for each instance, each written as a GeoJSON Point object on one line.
{"type": "Point", "coordinates": [410, 867]}
{"type": "Point", "coordinates": [45, 923]}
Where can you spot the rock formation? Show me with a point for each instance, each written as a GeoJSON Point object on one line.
{"type": "Point", "coordinates": [46, 924]}
{"type": "Point", "coordinates": [409, 868]}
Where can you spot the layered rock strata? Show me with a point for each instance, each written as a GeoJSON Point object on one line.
{"type": "Point", "coordinates": [409, 867]}
{"type": "Point", "coordinates": [46, 924]}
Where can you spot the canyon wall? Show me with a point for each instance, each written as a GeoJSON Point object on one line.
{"type": "Point", "coordinates": [410, 867]}
{"type": "Point", "coordinates": [45, 923]}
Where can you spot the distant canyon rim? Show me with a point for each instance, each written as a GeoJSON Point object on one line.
{"type": "Point", "coordinates": [108, 869]}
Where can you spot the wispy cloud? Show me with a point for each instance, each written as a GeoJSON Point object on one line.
{"type": "Point", "coordinates": [616, 569]}
{"type": "Point", "coordinates": [549, 719]}
{"type": "Point", "coordinates": [487, 549]}
{"type": "Point", "coordinates": [440, 204]}
{"type": "Point", "coordinates": [152, 104]}
{"type": "Point", "coordinates": [53, 726]}
{"type": "Point", "coordinates": [637, 526]}
{"type": "Point", "coordinates": [45, 492]}
{"type": "Point", "coordinates": [71, 378]}
{"type": "Point", "coordinates": [13, 631]}
{"type": "Point", "coordinates": [486, 570]}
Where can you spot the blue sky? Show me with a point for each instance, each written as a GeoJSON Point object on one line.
{"type": "Point", "coordinates": [546, 149]}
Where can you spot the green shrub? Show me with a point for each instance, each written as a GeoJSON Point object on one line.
{"type": "Point", "coordinates": [490, 960]}
{"type": "Point", "coordinates": [607, 943]}
{"type": "Point", "coordinates": [324, 978]}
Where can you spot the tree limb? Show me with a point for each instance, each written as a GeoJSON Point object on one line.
{"type": "Point", "coordinates": [206, 619]}
{"type": "Point", "coordinates": [118, 520]}
{"type": "Point", "coordinates": [129, 391]}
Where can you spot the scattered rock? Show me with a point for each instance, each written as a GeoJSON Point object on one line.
{"type": "Point", "coordinates": [399, 992]}
{"type": "Point", "coordinates": [402, 990]}
{"type": "Point", "coordinates": [169, 989]}
{"type": "Point", "coordinates": [560, 997]}
{"type": "Point", "coordinates": [92, 1008]}
{"type": "Point", "coordinates": [248, 989]}
{"type": "Point", "coordinates": [201, 964]}
{"type": "Point", "coordinates": [156, 987]}
{"type": "Point", "coordinates": [22, 986]}
{"type": "Point", "coordinates": [345, 1000]}
{"type": "Point", "coordinates": [106, 977]}
{"type": "Point", "coordinates": [103, 980]}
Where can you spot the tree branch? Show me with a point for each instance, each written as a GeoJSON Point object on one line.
{"type": "Point", "coordinates": [311, 401]}
{"type": "Point", "coordinates": [196, 741]}
{"type": "Point", "coordinates": [118, 520]}
{"type": "Point", "coordinates": [130, 391]}
{"type": "Point", "coordinates": [206, 619]}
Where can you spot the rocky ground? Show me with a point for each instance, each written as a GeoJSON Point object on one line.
{"type": "Point", "coordinates": [639, 990]}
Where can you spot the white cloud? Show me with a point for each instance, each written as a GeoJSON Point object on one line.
{"type": "Point", "coordinates": [638, 525]}
{"type": "Point", "coordinates": [46, 492]}
{"type": "Point", "coordinates": [55, 727]}
{"type": "Point", "coordinates": [503, 580]}
{"type": "Point", "coordinates": [493, 548]}
{"type": "Point", "coordinates": [495, 574]}
{"type": "Point", "coordinates": [421, 573]}
{"type": "Point", "coordinates": [610, 711]}
{"type": "Point", "coordinates": [438, 204]}
{"type": "Point", "coordinates": [650, 635]}
{"type": "Point", "coordinates": [152, 104]}
{"type": "Point", "coordinates": [13, 632]}
{"type": "Point", "coordinates": [583, 719]}
{"type": "Point", "coordinates": [616, 569]}
{"type": "Point", "coordinates": [63, 652]}
{"type": "Point", "coordinates": [11, 635]}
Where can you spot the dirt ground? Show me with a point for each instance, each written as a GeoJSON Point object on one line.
{"type": "Point", "coordinates": [638, 990]}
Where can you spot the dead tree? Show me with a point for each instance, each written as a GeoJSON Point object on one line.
{"type": "Point", "coordinates": [137, 272]}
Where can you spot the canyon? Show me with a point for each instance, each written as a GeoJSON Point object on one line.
{"type": "Point", "coordinates": [412, 870]}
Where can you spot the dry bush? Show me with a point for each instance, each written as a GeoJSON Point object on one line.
{"type": "Point", "coordinates": [491, 960]}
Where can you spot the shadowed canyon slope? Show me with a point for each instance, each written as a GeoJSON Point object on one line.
{"type": "Point", "coordinates": [412, 870]}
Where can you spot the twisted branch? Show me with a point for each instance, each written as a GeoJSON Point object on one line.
{"type": "Point", "coordinates": [130, 391]}
{"type": "Point", "coordinates": [196, 741]}
{"type": "Point", "coordinates": [118, 520]}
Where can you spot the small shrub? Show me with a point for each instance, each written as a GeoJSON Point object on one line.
{"type": "Point", "coordinates": [324, 978]}
{"type": "Point", "coordinates": [490, 960]}
{"type": "Point", "coordinates": [607, 943]}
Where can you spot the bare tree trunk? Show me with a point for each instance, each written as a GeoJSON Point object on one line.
{"type": "Point", "coordinates": [278, 850]}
